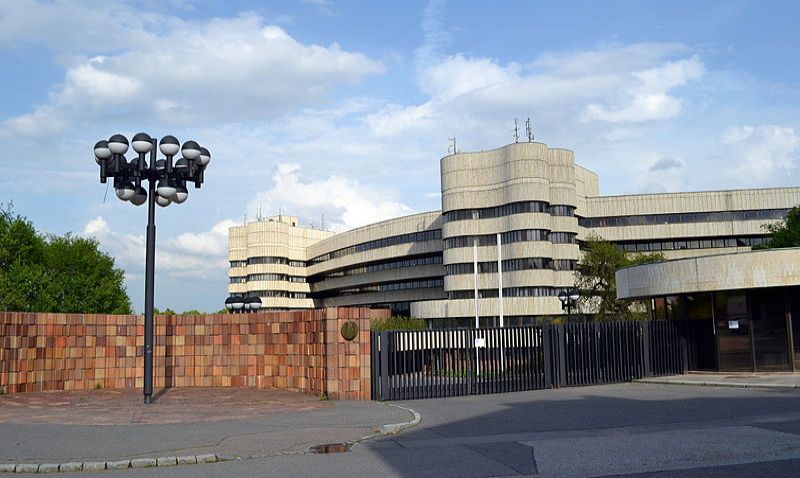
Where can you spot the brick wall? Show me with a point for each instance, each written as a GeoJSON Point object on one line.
{"type": "Point", "coordinates": [300, 350]}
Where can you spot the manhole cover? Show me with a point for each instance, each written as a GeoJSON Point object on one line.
{"type": "Point", "coordinates": [331, 448]}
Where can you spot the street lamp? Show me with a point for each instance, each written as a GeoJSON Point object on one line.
{"type": "Point", "coordinates": [239, 305]}
{"type": "Point", "coordinates": [167, 179]}
{"type": "Point", "coordinates": [569, 299]}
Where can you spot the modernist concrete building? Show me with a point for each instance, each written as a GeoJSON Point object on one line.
{"type": "Point", "coordinates": [539, 202]}
{"type": "Point", "coordinates": [738, 312]}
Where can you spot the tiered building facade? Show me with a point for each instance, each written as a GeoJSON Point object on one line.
{"type": "Point", "coordinates": [539, 202]}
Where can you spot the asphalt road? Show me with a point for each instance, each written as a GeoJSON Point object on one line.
{"type": "Point", "coordinates": [629, 429]}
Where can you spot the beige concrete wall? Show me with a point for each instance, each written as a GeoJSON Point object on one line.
{"type": "Point", "coordinates": [277, 236]}
{"type": "Point", "coordinates": [754, 269]}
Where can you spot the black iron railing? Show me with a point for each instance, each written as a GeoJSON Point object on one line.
{"type": "Point", "coordinates": [442, 363]}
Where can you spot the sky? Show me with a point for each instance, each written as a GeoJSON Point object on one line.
{"type": "Point", "coordinates": [340, 111]}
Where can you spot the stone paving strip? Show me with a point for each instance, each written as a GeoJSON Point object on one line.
{"type": "Point", "coordinates": [383, 430]}
{"type": "Point", "coordinates": [113, 465]}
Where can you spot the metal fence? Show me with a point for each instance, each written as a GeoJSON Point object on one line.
{"type": "Point", "coordinates": [441, 363]}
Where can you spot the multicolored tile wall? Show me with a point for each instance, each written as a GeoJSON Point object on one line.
{"type": "Point", "coordinates": [301, 351]}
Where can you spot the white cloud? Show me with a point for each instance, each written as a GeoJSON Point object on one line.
{"type": "Point", "coordinates": [666, 163]}
{"type": "Point", "coordinates": [345, 203]}
{"type": "Point", "coordinates": [97, 227]}
{"type": "Point", "coordinates": [198, 73]}
{"type": "Point", "coordinates": [196, 256]}
{"type": "Point", "coordinates": [764, 153]}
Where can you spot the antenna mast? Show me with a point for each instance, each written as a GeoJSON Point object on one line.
{"type": "Point", "coordinates": [451, 147]}
{"type": "Point", "coordinates": [516, 131]}
{"type": "Point", "coordinates": [529, 129]}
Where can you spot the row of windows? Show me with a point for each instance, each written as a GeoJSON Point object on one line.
{"type": "Point", "coordinates": [238, 263]}
{"type": "Point", "coordinates": [275, 260]}
{"type": "Point", "coordinates": [277, 293]}
{"type": "Point", "coordinates": [562, 237]}
{"type": "Point", "coordinates": [521, 207]}
{"type": "Point", "coordinates": [514, 265]}
{"type": "Point", "coordinates": [683, 218]}
{"type": "Point", "coordinates": [523, 235]}
{"type": "Point", "coordinates": [678, 244]}
{"type": "Point", "coordinates": [238, 280]}
{"type": "Point", "coordinates": [394, 286]}
{"type": "Point", "coordinates": [380, 243]}
{"type": "Point", "coordinates": [275, 277]}
{"type": "Point", "coordinates": [382, 266]}
{"type": "Point", "coordinates": [536, 291]}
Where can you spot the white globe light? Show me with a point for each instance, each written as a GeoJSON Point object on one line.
{"type": "Point", "coordinates": [204, 158]}
{"type": "Point", "coordinates": [165, 190]}
{"type": "Point", "coordinates": [180, 195]}
{"type": "Point", "coordinates": [140, 197]}
{"type": "Point", "coordinates": [101, 151]}
{"type": "Point", "coordinates": [573, 296]}
{"type": "Point", "coordinates": [190, 150]}
{"type": "Point", "coordinates": [169, 145]}
{"type": "Point", "coordinates": [238, 303]}
{"type": "Point", "coordinates": [118, 144]}
{"type": "Point", "coordinates": [163, 202]}
{"type": "Point", "coordinates": [142, 143]}
{"type": "Point", "coordinates": [126, 191]}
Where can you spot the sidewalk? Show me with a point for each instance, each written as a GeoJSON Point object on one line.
{"type": "Point", "coordinates": [115, 426]}
{"type": "Point", "coordinates": [731, 379]}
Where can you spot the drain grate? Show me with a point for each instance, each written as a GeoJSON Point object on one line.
{"type": "Point", "coordinates": [331, 448]}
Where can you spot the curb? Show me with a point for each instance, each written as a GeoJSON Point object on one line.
{"type": "Point", "coordinates": [113, 464]}
{"type": "Point", "coordinates": [722, 384]}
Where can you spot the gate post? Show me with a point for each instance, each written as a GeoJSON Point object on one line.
{"type": "Point", "coordinates": [547, 347]}
{"type": "Point", "coordinates": [561, 353]}
{"type": "Point", "coordinates": [647, 358]}
{"type": "Point", "coordinates": [385, 390]}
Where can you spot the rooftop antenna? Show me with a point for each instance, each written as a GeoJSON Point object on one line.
{"type": "Point", "coordinates": [258, 214]}
{"type": "Point", "coordinates": [529, 129]}
{"type": "Point", "coordinates": [516, 131]}
{"type": "Point", "coordinates": [323, 223]}
{"type": "Point", "coordinates": [451, 147]}
{"type": "Point", "coordinates": [244, 219]}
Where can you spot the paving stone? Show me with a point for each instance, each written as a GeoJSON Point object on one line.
{"type": "Point", "coordinates": [187, 460]}
{"type": "Point", "coordinates": [7, 467]}
{"type": "Point", "coordinates": [167, 461]}
{"type": "Point", "coordinates": [143, 462]}
{"type": "Point", "coordinates": [209, 458]}
{"type": "Point", "coordinates": [94, 465]}
{"type": "Point", "coordinates": [74, 466]}
{"type": "Point", "coordinates": [27, 468]}
{"type": "Point", "coordinates": [118, 465]}
{"type": "Point", "coordinates": [48, 468]}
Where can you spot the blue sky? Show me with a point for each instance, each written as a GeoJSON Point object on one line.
{"type": "Point", "coordinates": [343, 109]}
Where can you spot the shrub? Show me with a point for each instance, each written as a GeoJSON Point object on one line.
{"type": "Point", "coordinates": [398, 323]}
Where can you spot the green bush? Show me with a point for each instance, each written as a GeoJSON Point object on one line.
{"type": "Point", "coordinates": [398, 323]}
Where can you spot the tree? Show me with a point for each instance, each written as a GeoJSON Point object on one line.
{"type": "Point", "coordinates": [785, 233]}
{"type": "Point", "coordinates": [597, 282]}
{"type": "Point", "coordinates": [56, 273]}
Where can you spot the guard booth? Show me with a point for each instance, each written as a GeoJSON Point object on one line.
{"type": "Point", "coordinates": [738, 312]}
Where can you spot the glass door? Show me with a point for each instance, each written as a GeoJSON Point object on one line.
{"type": "Point", "coordinates": [733, 332]}
{"type": "Point", "coordinates": [770, 334]}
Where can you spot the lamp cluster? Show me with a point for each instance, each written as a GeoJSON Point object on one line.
{"type": "Point", "coordinates": [171, 174]}
{"type": "Point", "coordinates": [240, 305]}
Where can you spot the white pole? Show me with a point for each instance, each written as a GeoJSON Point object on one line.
{"type": "Point", "coordinates": [500, 279]}
{"type": "Point", "coordinates": [475, 275]}
{"type": "Point", "coordinates": [500, 299]}
{"type": "Point", "coordinates": [477, 312]}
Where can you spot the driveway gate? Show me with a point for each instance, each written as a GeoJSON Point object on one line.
{"type": "Point", "coordinates": [414, 364]}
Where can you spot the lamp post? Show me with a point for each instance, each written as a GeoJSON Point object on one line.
{"type": "Point", "coordinates": [568, 300]}
{"type": "Point", "coordinates": [167, 179]}
{"type": "Point", "coordinates": [239, 305]}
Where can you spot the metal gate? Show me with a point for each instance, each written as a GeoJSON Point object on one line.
{"type": "Point", "coordinates": [440, 363]}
